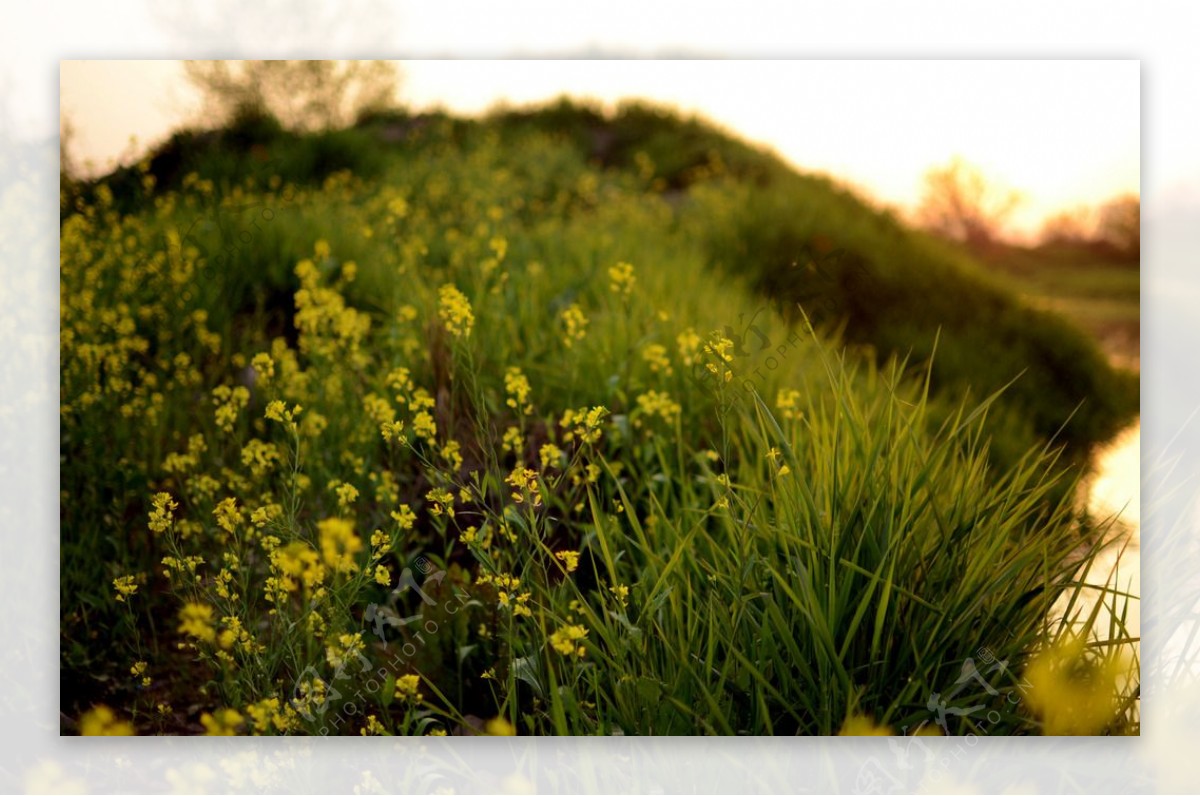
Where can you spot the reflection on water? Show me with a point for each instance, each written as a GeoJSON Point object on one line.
{"type": "Point", "coordinates": [1115, 491]}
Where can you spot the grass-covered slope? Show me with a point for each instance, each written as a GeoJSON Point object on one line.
{"type": "Point", "coordinates": [803, 243]}
{"type": "Point", "coordinates": [428, 423]}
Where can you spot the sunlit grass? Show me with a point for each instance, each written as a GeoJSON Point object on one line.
{"type": "Point", "coordinates": [483, 446]}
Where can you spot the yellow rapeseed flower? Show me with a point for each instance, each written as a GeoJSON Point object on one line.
{"type": "Point", "coordinates": [565, 640]}
{"type": "Point", "coordinates": [196, 619]}
{"type": "Point", "coordinates": [162, 513]}
{"type": "Point", "coordinates": [138, 670]}
{"type": "Point", "coordinates": [863, 725]}
{"type": "Point", "coordinates": [517, 387]}
{"type": "Point", "coordinates": [574, 325]}
{"type": "Point", "coordinates": [374, 727]}
{"type": "Point", "coordinates": [499, 726]}
{"type": "Point", "coordinates": [339, 543]}
{"type": "Point", "coordinates": [621, 279]}
{"type": "Point", "coordinates": [654, 403]}
{"type": "Point", "coordinates": [224, 721]}
{"type": "Point", "coordinates": [406, 687]}
{"type": "Point", "coordinates": [346, 648]}
{"type": "Point", "coordinates": [570, 559]}
{"type": "Point", "coordinates": [125, 586]}
{"type": "Point", "coordinates": [1073, 692]}
{"type": "Point", "coordinates": [655, 355]}
{"type": "Point", "coordinates": [455, 311]}
{"type": "Point", "coordinates": [101, 720]}
{"type": "Point", "coordinates": [404, 517]}
{"type": "Point", "coordinates": [788, 404]}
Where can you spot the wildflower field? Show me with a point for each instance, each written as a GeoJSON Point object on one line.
{"type": "Point", "coordinates": [449, 427]}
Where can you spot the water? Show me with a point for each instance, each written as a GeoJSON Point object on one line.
{"type": "Point", "coordinates": [1115, 491]}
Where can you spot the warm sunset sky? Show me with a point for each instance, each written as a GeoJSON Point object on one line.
{"type": "Point", "coordinates": [1064, 133]}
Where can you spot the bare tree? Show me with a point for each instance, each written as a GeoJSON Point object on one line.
{"type": "Point", "coordinates": [959, 203]}
{"type": "Point", "coordinates": [1121, 224]}
{"type": "Point", "coordinates": [302, 95]}
{"type": "Point", "coordinates": [1070, 226]}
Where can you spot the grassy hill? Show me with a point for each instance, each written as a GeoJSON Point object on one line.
{"type": "Point", "coordinates": [516, 424]}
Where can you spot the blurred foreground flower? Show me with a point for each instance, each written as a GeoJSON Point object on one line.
{"type": "Point", "coordinates": [1076, 693]}
{"type": "Point", "coordinates": [101, 720]}
{"type": "Point", "coordinates": [863, 725]}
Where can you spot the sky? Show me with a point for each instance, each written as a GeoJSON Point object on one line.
{"type": "Point", "coordinates": [1063, 133]}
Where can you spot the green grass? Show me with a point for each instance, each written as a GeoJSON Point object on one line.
{"type": "Point", "coordinates": [1098, 291]}
{"type": "Point", "coordinates": [716, 591]}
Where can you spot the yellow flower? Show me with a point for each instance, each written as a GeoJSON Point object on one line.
{"type": "Point", "coordinates": [574, 323]}
{"type": "Point", "coordinates": [278, 411]}
{"type": "Point", "coordinates": [441, 501]}
{"type": "Point", "coordinates": [267, 714]}
{"type": "Point", "coordinates": [655, 355]}
{"type": "Point", "coordinates": [373, 727]}
{"type": "Point", "coordinates": [517, 387]}
{"type": "Point", "coordinates": [550, 454]}
{"type": "Point", "coordinates": [264, 514]}
{"type": "Point", "coordinates": [406, 687]}
{"type": "Point", "coordinates": [228, 402]}
{"type": "Point", "coordinates": [718, 350]}
{"type": "Point", "coordinates": [227, 514]}
{"type": "Point", "coordinates": [125, 587]}
{"type": "Point", "coordinates": [1074, 692]}
{"type": "Point", "coordinates": [261, 457]}
{"type": "Point", "coordinates": [339, 543]}
{"type": "Point", "coordinates": [564, 640]}
{"type": "Point", "coordinates": [424, 426]}
{"type": "Point", "coordinates": [224, 721]}
{"type": "Point", "coordinates": [346, 493]}
{"type": "Point", "coordinates": [404, 517]}
{"type": "Point", "coordinates": [689, 346]}
{"type": "Point", "coordinates": [139, 670]}
{"type": "Point", "coordinates": [390, 430]}
{"type": "Point", "coordinates": [863, 725]}
{"type": "Point", "coordinates": [621, 592]}
{"type": "Point", "coordinates": [348, 647]}
{"type": "Point", "coordinates": [162, 513]}
{"type": "Point", "coordinates": [499, 726]}
{"type": "Point", "coordinates": [455, 311]}
{"type": "Point", "coordinates": [437, 732]}
{"type": "Point", "coordinates": [788, 404]}
{"type": "Point", "coordinates": [452, 454]}
{"type": "Point", "coordinates": [512, 442]}
{"type": "Point", "coordinates": [523, 480]}
{"type": "Point", "coordinates": [570, 559]}
{"type": "Point", "coordinates": [196, 620]}
{"type": "Point", "coordinates": [582, 424]}
{"type": "Point", "coordinates": [264, 367]}
{"type": "Point", "coordinates": [101, 720]}
{"type": "Point", "coordinates": [622, 278]}
{"type": "Point", "coordinates": [382, 576]}
{"type": "Point", "coordinates": [656, 403]}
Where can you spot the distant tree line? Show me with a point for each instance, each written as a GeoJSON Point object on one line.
{"type": "Point", "coordinates": [960, 204]}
